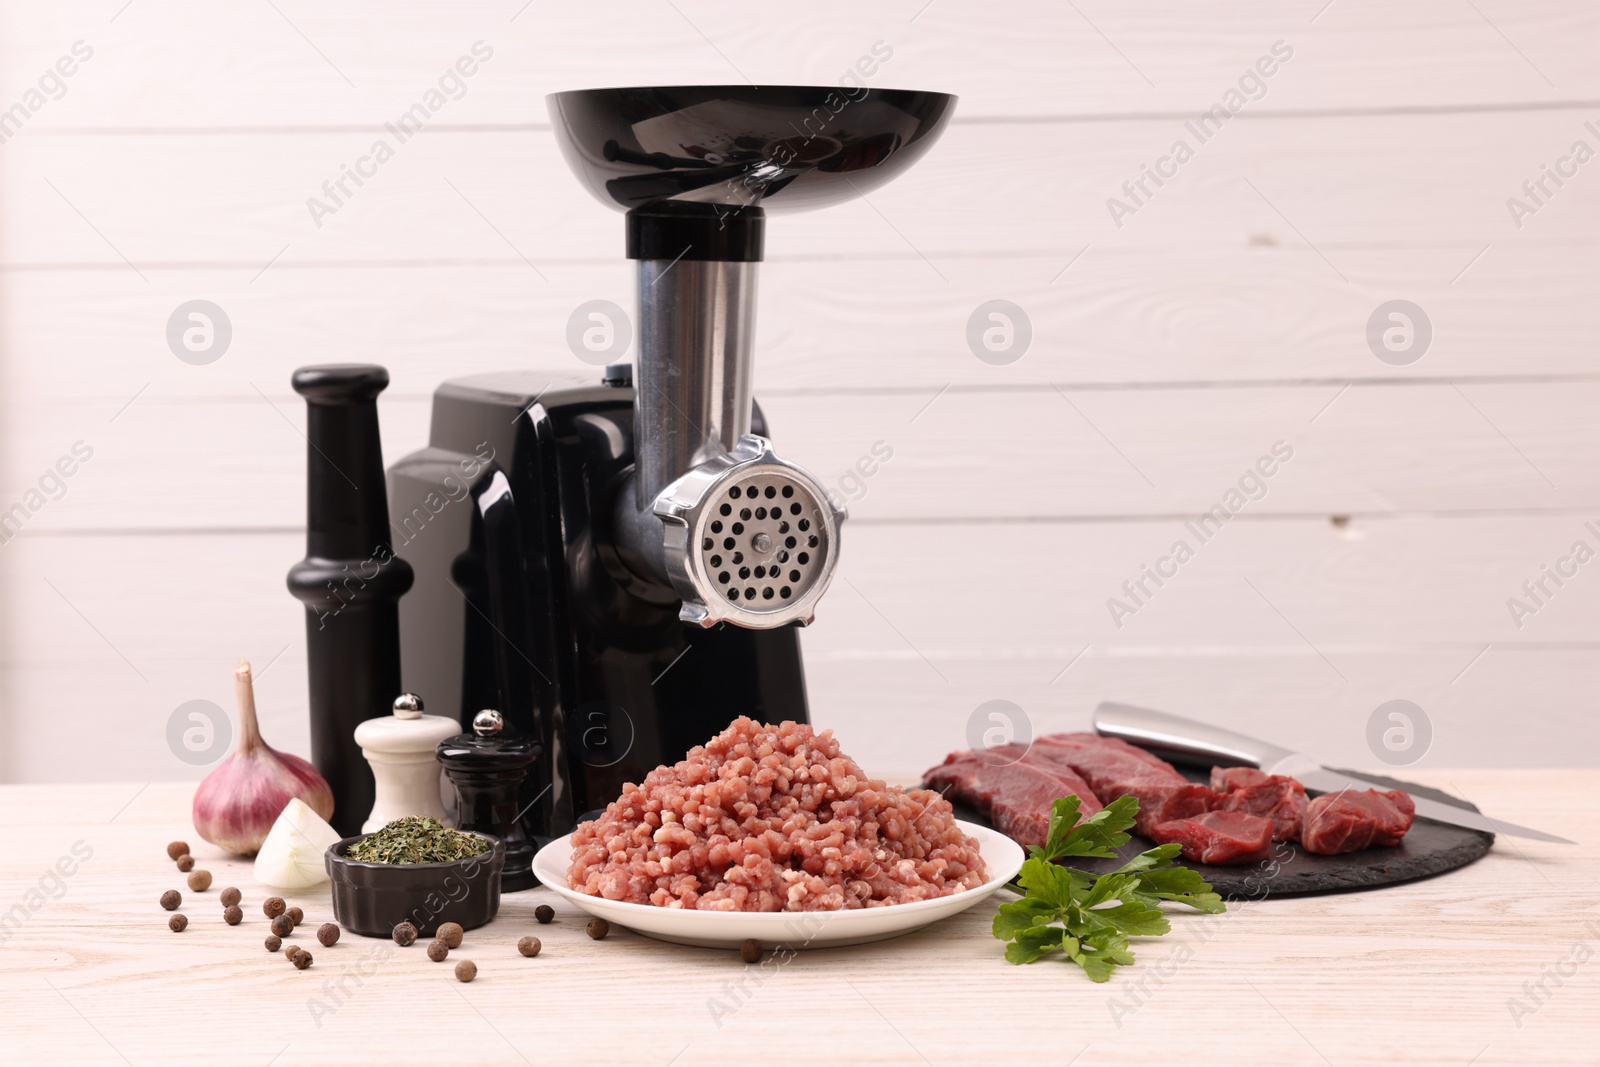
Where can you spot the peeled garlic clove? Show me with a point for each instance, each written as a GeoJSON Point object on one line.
{"type": "Point", "coordinates": [292, 855]}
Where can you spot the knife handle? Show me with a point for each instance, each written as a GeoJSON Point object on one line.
{"type": "Point", "coordinates": [1185, 737]}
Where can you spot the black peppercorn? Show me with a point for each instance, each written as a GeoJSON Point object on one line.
{"type": "Point", "coordinates": [282, 926]}
{"type": "Point", "coordinates": [185, 863]}
{"type": "Point", "coordinates": [177, 923]}
{"type": "Point", "coordinates": [230, 897]}
{"type": "Point", "coordinates": [451, 934]}
{"type": "Point", "coordinates": [529, 946]}
{"type": "Point", "coordinates": [750, 951]}
{"type": "Point", "coordinates": [466, 971]}
{"type": "Point", "coordinates": [438, 950]}
{"type": "Point", "coordinates": [232, 915]}
{"type": "Point", "coordinates": [544, 913]}
{"type": "Point", "coordinates": [171, 899]}
{"type": "Point", "coordinates": [176, 849]}
{"type": "Point", "coordinates": [302, 960]}
{"type": "Point", "coordinates": [405, 934]}
{"type": "Point", "coordinates": [274, 942]}
{"type": "Point", "coordinates": [273, 907]}
{"type": "Point", "coordinates": [597, 929]}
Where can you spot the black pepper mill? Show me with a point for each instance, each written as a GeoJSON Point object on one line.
{"type": "Point", "coordinates": [350, 581]}
{"type": "Point", "coordinates": [487, 768]}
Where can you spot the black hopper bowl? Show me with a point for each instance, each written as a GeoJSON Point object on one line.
{"type": "Point", "coordinates": [780, 147]}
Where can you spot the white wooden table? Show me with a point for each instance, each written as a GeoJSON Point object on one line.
{"type": "Point", "coordinates": [1442, 971]}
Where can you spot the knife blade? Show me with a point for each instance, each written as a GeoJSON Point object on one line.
{"type": "Point", "coordinates": [1187, 738]}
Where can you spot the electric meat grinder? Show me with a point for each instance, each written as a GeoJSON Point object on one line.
{"type": "Point", "coordinates": [620, 568]}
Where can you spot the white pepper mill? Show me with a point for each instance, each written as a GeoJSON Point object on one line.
{"type": "Point", "coordinates": [400, 748]}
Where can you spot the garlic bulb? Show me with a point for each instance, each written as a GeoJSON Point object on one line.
{"type": "Point", "coordinates": [292, 855]}
{"type": "Point", "coordinates": [236, 804]}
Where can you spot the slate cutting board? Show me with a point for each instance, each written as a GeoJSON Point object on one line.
{"type": "Point", "coordinates": [1429, 848]}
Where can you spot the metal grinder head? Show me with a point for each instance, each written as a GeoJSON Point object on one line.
{"type": "Point", "coordinates": [750, 539]}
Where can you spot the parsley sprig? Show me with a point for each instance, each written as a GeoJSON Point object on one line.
{"type": "Point", "coordinates": [1089, 917]}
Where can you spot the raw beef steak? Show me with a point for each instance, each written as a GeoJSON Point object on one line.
{"type": "Point", "coordinates": [1015, 797]}
{"type": "Point", "coordinates": [1014, 785]}
{"type": "Point", "coordinates": [1114, 768]}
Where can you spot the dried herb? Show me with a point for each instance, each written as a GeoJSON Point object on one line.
{"type": "Point", "coordinates": [417, 839]}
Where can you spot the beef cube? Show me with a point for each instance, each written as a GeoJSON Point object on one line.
{"type": "Point", "coordinates": [1275, 797]}
{"type": "Point", "coordinates": [1160, 801]}
{"type": "Point", "coordinates": [1351, 820]}
{"type": "Point", "coordinates": [1227, 779]}
{"type": "Point", "coordinates": [1223, 838]}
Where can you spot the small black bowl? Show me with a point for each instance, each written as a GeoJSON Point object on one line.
{"type": "Point", "coordinates": [373, 898]}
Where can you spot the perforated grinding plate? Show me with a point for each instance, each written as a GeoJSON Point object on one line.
{"type": "Point", "coordinates": [763, 542]}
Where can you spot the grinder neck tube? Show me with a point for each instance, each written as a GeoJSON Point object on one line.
{"type": "Point", "coordinates": [692, 375]}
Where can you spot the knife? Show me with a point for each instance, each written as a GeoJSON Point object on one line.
{"type": "Point", "coordinates": [1186, 737]}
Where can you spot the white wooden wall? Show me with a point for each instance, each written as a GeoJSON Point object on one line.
{"type": "Point", "coordinates": [1169, 353]}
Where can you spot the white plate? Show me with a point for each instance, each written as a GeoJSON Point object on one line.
{"type": "Point", "coordinates": [796, 930]}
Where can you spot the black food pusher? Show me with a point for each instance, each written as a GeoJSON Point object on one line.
{"type": "Point", "coordinates": [350, 580]}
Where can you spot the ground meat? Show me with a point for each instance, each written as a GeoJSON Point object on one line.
{"type": "Point", "coordinates": [772, 818]}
